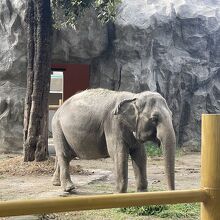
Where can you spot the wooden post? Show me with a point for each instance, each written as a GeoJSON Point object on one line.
{"type": "Point", "coordinates": [210, 170]}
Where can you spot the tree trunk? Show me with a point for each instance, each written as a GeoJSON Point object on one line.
{"type": "Point", "coordinates": [39, 26]}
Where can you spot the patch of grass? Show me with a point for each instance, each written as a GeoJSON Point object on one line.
{"type": "Point", "coordinates": [153, 150]}
{"type": "Point", "coordinates": [189, 211]}
{"type": "Point", "coordinates": [144, 210]}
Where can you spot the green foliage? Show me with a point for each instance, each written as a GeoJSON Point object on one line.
{"type": "Point", "coordinates": [66, 12]}
{"type": "Point", "coordinates": [189, 211]}
{"type": "Point", "coordinates": [144, 210]}
{"type": "Point", "coordinates": [153, 150]}
{"type": "Point", "coordinates": [106, 9]}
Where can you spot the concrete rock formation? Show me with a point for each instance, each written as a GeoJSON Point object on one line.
{"type": "Point", "coordinates": [89, 40]}
{"type": "Point", "coordinates": [12, 74]}
{"type": "Point", "coordinates": [172, 47]}
{"type": "Point", "coordinates": [168, 46]}
{"type": "Point", "coordinates": [12, 42]}
{"type": "Point", "coordinates": [11, 117]}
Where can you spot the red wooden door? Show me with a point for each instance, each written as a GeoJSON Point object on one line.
{"type": "Point", "coordinates": [75, 78]}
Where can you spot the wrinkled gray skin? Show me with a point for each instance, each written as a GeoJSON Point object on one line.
{"type": "Point", "coordinates": [99, 123]}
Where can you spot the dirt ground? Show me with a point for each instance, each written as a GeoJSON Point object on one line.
{"type": "Point", "coordinates": [20, 180]}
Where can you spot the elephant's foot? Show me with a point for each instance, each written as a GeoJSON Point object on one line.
{"type": "Point", "coordinates": [68, 187]}
{"type": "Point", "coordinates": [56, 181]}
{"type": "Point", "coordinates": [142, 190]}
{"type": "Point", "coordinates": [142, 186]}
{"type": "Point", "coordinates": [121, 189]}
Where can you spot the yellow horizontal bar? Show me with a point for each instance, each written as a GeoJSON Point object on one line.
{"type": "Point", "coordinates": [76, 203]}
{"type": "Point", "coordinates": [53, 107]}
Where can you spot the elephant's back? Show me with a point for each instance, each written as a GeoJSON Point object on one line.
{"type": "Point", "coordinates": [89, 108]}
{"type": "Point", "coordinates": [94, 101]}
{"type": "Point", "coordinates": [82, 120]}
{"type": "Point", "coordinates": [95, 97]}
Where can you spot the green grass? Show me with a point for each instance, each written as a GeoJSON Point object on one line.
{"type": "Point", "coordinates": [178, 211]}
{"type": "Point", "coordinates": [155, 151]}
{"type": "Point", "coordinates": [144, 210]}
{"type": "Point", "coordinates": [189, 210]}
{"type": "Point", "coordinates": [175, 212]}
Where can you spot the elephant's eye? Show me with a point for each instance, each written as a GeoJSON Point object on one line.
{"type": "Point", "coordinates": [154, 120]}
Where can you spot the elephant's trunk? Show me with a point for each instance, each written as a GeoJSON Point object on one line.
{"type": "Point", "coordinates": [166, 135]}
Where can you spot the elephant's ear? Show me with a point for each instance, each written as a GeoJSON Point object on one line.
{"type": "Point", "coordinates": [124, 106]}
{"type": "Point", "coordinates": [128, 111]}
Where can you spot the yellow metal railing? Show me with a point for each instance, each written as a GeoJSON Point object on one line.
{"type": "Point", "coordinates": [208, 195]}
{"type": "Point", "coordinates": [11, 208]}
{"type": "Point", "coordinates": [55, 107]}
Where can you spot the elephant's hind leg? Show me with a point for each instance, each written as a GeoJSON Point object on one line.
{"type": "Point", "coordinates": [64, 155]}
{"type": "Point", "coordinates": [65, 178]}
{"type": "Point", "coordinates": [56, 175]}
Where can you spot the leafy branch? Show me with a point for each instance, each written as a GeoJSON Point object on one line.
{"type": "Point", "coordinates": [67, 12]}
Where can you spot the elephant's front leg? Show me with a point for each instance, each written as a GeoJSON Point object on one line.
{"type": "Point", "coordinates": [121, 168]}
{"type": "Point", "coordinates": [118, 151]}
{"type": "Point", "coordinates": [138, 157]}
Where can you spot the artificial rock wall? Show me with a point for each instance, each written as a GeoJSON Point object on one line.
{"type": "Point", "coordinates": [172, 47]}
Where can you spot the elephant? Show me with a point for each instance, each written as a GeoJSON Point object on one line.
{"type": "Point", "coordinates": [100, 123]}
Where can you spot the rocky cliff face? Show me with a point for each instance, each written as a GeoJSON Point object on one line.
{"type": "Point", "coordinates": [172, 47]}
{"type": "Point", "coordinates": [11, 117]}
{"type": "Point", "coordinates": [12, 74]}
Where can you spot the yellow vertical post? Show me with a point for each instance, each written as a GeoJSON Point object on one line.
{"type": "Point", "coordinates": [210, 168]}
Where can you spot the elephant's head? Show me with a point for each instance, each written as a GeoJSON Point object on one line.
{"type": "Point", "coordinates": [149, 118]}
